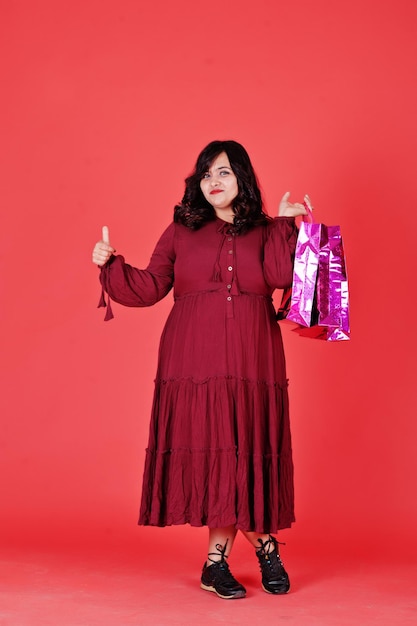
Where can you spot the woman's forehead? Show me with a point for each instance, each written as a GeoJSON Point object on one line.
{"type": "Point", "coordinates": [222, 160]}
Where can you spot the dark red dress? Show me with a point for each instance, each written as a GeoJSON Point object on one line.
{"type": "Point", "coordinates": [219, 450]}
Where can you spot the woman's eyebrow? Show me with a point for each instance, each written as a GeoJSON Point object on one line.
{"type": "Point", "coordinates": [221, 167]}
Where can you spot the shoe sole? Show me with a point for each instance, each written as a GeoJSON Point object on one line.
{"type": "Point", "coordinates": [276, 593]}
{"type": "Point", "coordinates": [236, 596]}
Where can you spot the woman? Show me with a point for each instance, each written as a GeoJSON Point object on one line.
{"type": "Point", "coordinates": [219, 450]}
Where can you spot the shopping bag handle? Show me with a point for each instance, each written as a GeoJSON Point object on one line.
{"type": "Point", "coordinates": [309, 208]}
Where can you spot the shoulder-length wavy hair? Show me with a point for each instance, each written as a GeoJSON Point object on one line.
{"type": "Point", "coordinates": [194, 211]}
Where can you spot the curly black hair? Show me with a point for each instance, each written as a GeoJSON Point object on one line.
{"type": "Point", "coordinates": [194, 211]}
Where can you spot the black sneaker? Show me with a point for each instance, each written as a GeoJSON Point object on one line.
{"type": "Point", "coordinates": [274, 577]}
{"type": "Point", "coordinates": [218, 578]}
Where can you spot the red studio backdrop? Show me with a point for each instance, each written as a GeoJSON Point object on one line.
{"type": "Point", "coordinates": [105, 106]}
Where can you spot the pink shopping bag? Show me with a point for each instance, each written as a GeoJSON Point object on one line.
{"type": "Point", "coordinates": [319, 294]}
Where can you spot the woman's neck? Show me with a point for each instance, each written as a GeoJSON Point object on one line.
{"type": "Point", "coordinates": [225, 216]}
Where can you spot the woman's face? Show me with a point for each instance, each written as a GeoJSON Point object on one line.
{"type": "Point", "coordinates": [219, 186]}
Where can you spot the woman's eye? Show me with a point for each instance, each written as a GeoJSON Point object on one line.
{"type": "Point", "coordinates": [224, 173]}
{"type": "Point", "coordinates": [206, 175]}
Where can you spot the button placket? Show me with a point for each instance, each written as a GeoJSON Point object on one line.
{"type": "Point", "coordinates": [229, 299]}
{"type": "Point", "coordinates": [229, 307]}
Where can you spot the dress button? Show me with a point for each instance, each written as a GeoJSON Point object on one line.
{"type": "Point", "coordinates": [229, 239]}
{"type": "Point", "coordinates": [230, 251]}
{"type": "Point", "coordinates": [229, 286]}
{"type": "Point", "coordinates": [229, 298]}
{"type": "Point", "coordinates": [230, 268]}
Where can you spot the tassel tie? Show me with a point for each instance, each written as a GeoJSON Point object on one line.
{"type": "Point", "coordinates": [102, 302]}
{"type": "Point", "coordinates": [217, 272]}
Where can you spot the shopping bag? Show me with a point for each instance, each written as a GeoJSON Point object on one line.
{"type": "Point", "coordinates": [319, 302]}
{"type": "Point", "coordinates": [332, 286]}
{"type": "Point", "coordinates": [302, 308]}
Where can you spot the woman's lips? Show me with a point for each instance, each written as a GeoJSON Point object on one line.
{"type": "Point", "coordinates": [215, 191]}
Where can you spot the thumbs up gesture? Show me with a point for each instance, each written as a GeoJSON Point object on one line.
{"type": "Point", "coordinates": [103, 250]}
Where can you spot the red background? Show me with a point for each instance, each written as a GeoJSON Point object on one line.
{"type": "Point", "coordinates": [105, 106]}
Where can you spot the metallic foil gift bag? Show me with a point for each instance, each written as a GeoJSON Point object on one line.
{"type": "Point", "coordinates": [306, 264]}
{"type": "Point", "coordinates": [320, 297]}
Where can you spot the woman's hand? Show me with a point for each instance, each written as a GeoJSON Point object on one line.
{"type": "Point", "coordinates": [288, 209]}
{"type": "Point", "coordinates": [103, 250]}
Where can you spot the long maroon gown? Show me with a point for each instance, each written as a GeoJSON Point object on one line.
{"type": "Point", "coordinates": [219, 451]}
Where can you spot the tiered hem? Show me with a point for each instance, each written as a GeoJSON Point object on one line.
{"type": "Point", "coordinates": [219, 455]}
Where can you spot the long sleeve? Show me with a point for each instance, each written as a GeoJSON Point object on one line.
{"type": "Point", "coordinates": [279, 252]}
{"type": "Point", "coordinates": [130, 286]}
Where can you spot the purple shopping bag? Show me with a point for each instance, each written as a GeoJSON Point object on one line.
{"type": "Point", "coordinates": [332, 286]}
{"type": "Point", "coordinates": [320, 298]}
{"type": "Point", "coordinates": [306, 264]}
